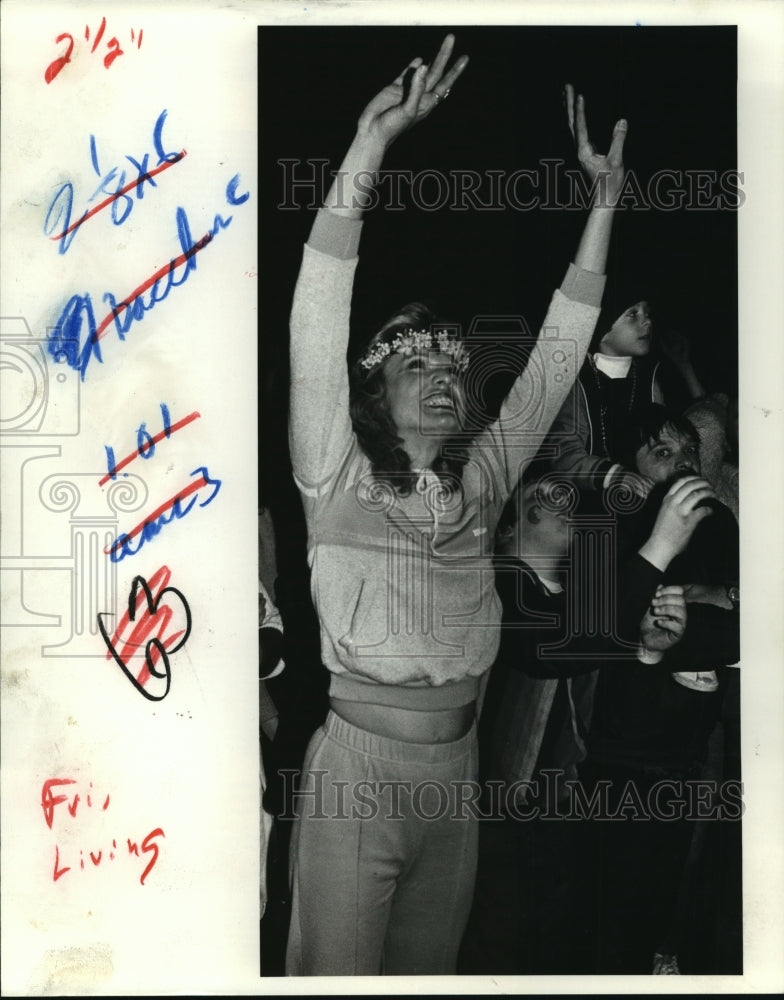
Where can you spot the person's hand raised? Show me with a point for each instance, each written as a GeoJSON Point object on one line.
{"type": "Point", "coordinates": [675, 346]}
{"type": "Point", "coordinates": [392, 111]}
{"type": "Point", "coordinates": [606, 169]}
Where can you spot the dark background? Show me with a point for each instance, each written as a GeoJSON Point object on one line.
{"type": "Point", "coordinates": [675, 85]}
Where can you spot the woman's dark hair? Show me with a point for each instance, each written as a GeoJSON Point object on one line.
{"type": "Point", "coordinates": [647, 429]}
{"type": "Point", "coordinates": [373, 423]}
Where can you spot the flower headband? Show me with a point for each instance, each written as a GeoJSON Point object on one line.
{"type": "Point", "coordinates": [418, 341]}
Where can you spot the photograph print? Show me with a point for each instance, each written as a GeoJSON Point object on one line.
{"type": "Point", "coordinates": [499, 593]}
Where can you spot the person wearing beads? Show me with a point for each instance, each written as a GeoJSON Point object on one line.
{"type": "Point", "coordinates": [617, 381]}
{"type": "Point", "coordinates": [401, 507]}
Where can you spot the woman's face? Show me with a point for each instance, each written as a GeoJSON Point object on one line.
{"type": "Point", "coordinates": [630, 334]}
{"type": "Point", "coordinates": [424, 393]}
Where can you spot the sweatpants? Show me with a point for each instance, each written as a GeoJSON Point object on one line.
{"type": "Point", "coordinates": [383, 854]}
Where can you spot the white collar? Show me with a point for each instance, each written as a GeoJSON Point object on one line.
{"type": "Point", "coordinates": [612, 366]}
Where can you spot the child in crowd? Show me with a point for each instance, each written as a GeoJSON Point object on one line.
{"type": "Point", "coordinates": [528, 916]}
{"type": "Point", "coordinates": [652, 723]}
{"type": "Point", "coordinates": [617, 381]}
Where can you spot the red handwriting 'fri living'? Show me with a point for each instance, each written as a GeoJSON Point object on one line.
{"type": "Point", "coordinates": [49, 801]}
{"type": "Point", "coordinates": [71, 802]}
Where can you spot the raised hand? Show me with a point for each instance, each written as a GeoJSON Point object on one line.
{"type": "Point", "coordinates": [605, 168]}
{"type": "Point", "coordinates": [664, 622]}
{"type": "Point", "coordinates": [392, 112]}
{"type": "Point", "coordinates": [675, 345]}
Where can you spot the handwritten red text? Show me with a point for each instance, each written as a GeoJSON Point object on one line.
{"type": "Point", "coordinates": [73, 804]}
{"type": "Point", "coordinates": [111, 52]}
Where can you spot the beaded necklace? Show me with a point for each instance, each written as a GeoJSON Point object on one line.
{"type": "Point", "coordinates": [603, 409]}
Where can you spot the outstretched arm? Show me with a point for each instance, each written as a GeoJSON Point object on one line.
{"type": "Point", "coordinates": [574, 311]}
{"type": "Point", "coordinates": [606, 172]}
{"type": "Point", "coordinates": [320, 427]}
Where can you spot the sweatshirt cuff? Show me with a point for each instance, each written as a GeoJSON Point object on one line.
{"type": "Point", "coordinates": [649, 656]}
{"type": "Point", "coordinates": [583, 286]}
{"type": "Point", "coordinates": [600, 474]}
{"type": "Point", "coordinates": [610, 473]}
{"type": "Point", "coordinates": [335, 235]}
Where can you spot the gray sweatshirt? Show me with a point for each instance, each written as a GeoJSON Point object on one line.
{"type": "Point", "coordinates": [404, 585]}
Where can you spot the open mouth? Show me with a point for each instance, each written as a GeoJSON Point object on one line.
{"type": "Point", "coordinates": [441, 401]}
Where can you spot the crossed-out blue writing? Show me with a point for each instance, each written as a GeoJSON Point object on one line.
{"type": "Point", "coordinates": [58, 222]}
{"type": "Point", "coordinates": [75, 336]}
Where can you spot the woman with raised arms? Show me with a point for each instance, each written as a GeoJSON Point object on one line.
{"type": "Point", "coordinates": [401, 508]}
